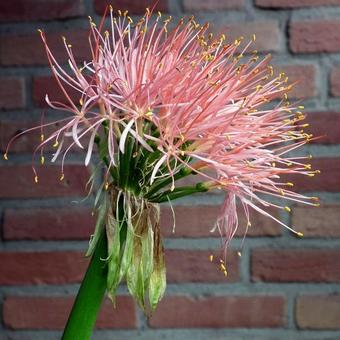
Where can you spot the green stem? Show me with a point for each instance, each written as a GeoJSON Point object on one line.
{"type": "Point", "coordinates": [90, 296]}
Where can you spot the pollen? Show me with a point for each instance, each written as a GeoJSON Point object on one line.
{"type": "Point", "coordinates": [106, 185]}
{"type": "Point", "coordinates": [254, 37]}
{"type": "Point", "coordinates": [287, 209]}
{"type": "Point", "coordinates": [300, 234]}
{"type": "Point", "coordinates": [42, 137]}
{"type": "Point", "coordinates": [62, 177]}
{"type": "Point", "coordinates": [36, 179]}
{"type": "Point", "coordinates": [42, 160]}
{"type": "Point", "coordinates": [290, 184]}
{"type": "Point", "coordinates": [6, 156]}
{"type": "Point", "coordinates": [55, 144]}
{"type": "Point", "coordinates": [211, 257]}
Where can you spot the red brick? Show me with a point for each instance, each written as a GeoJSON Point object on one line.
{"type": "Point", "coordinates": [134, 7]}
{"type": "Point", "coordinates": [267, 34]}
{"type": "Point", "coordinates": [335, 82]}
{"type": "Point", "coordinates": [212, 5]}
{"type": "Point", "coordinates": [12, 93]}
{"type": "Point", "coordinates": [304, 75]}
{"type": "Point", "coordinates": [315, 36]}
{"type": "Point", "coordinates": [48, 224]}
{"type": "Point", "coordinates": [48, 85]}
{"type": "Point", "coordinates": [296, 265]}
{"type": "Point", "coordinates": [18, 10]}
{"type": "Point", "coordinates": [318, 311]}
{"type": "Point", "coordinates": [28, 49]}
{"type": "Point", "coordinates": [325, 125]}
{"type": "Point", "coordinates": [220, 312]}
{"type": "Point", "coordinates": [295, 3]}
{"type": "Point", "coordinates": [197, 221]}
{"type": "Point", "coordinates": [28, 268]}
{"type": "Point", "coordinates": [50, 313]}
{"type": "Point", "coordinates": [327, 180]}
{"type": "Point", "coordinates": [194, 266]}
{"type": "Point", "coordinates": [17, 181]}
{"type": "Point", "coordinates": [317, 222]}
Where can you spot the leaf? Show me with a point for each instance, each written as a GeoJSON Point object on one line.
{"type": "Point", "coordinates": [98, 228]}
{"type": "Point", "coordinates": [157, 283]}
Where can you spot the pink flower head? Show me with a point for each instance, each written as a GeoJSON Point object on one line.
{"type": "Point", "coordinates": [193, 98]}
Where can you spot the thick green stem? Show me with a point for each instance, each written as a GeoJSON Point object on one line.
{"type": "Point", "coordinates": [90, 296]}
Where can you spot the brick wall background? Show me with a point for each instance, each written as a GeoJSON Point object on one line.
{"type": "Point", "coordinates": [281, 288]}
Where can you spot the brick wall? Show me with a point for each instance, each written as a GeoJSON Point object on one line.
{"type": "Point", "coordinates": [281, 288]}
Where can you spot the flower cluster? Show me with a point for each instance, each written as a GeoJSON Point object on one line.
{"type": "Point", "coordinates": [163, 104]}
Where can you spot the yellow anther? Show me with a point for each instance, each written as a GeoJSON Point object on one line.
{"type": "Point", "coordinates": [147, 10]}
{"type": "Point", "coordinates": [81, 102]}
{"type": "Point", "coordinates": [225, 273]}
{"type": "Point", "coordinates": [106, 185]}
{"type": "Point", "coordinates": [223, 267]}
{"type": "Point", "coordinates": [311, 175]}
{"type": "Point", "coordinates": [42, 137]}
{"type": "Point", "coordinates": [281, 192]}
{"type": "Point", "coordinates": [55, 144]}
{"type": "Point", "coordinates": [290, 184]}
{"type": "Point", "coordinates": [125, 13]}
{"type": "Point", "coordinates": [6, 156]}
{"type": "Point", "coordinates": [111, 8]}
{"type": "Point", "coordinates": [239, 253]}
{"type": "Point", "coordinates": [119, 12]}
{"type": "Point", "coordinates": [273, 164]}
{"type": "Point", "coordinates": [159, 13]}
{"type": "Point", "coordinates": [223, 37]}
{"type": "Point", "coordinates": [300, 107]}
{"type": "Point", "coordinates": [42, 160]}
{"type": "Point", "coordinates": [287, 209]}
{"type": "Point", "coordinates": [182, 153]}
{"type": "Point", "coordinates": [299, 233]}
{"type": "Point", "coordinates": [308, 166]}
{"type": "Point", "coordinates": [62, 177]}
{"type": "Point", "coordinates": [130, 20]}
{"type": "Point", "coordinates": [211, 257]}
{"type": "Point", "coordinates": [305, 125]}
{"type": "Point", "coordinates": [316, 204]}
{"type": "Point", "coordinates": [36, 179]}
{"type": "Point", "coordinates": [39, 30]}
{"type": "Point", "coordinates": [248, 224]}
{"type": "Point", "coordinates": [69, 46]}
{"type": "Point", "coordinates": [254, 37]}
{"type": "Point", "coordinates": [64, 38]}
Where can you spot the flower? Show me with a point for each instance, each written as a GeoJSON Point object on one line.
{"type": "Point", "coordinates": [164, 104]}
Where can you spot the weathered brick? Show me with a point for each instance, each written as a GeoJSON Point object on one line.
{"type": "Point", "coordinates": [304, 75]}
{"type": "Point", "coordinates": [18, 10]}
{"type": "Point", "coordinates": [197, 221]}
{"type": "Point", "coordinates": [48, 85]}
{"type": "Point", "coordinates": [48, 224]}
{"type": "Point", "coordinates": [317, 222]}
{"type": "Point", "coordinates": [327, 180]}
{"type": "Point", "coordinates": [296, 265]}
{"type": "Point", "coordinates": [195, 266]}
{"type": "Point", "coordinates": [17, 181]}
{"type": "Point", "coordinates": [318, 311]}
{"type": "Point", "coordinates": [295, 3]}
{"type": "Point", "coordinates": [12, 93]}
{"type": "Point", "coordinates": [335, 81]}
{"type": "Point", "coordinates": [28, 49]}
{"type": "Point", "coordinates": [50, 313]}
{"type": "Point", "coordinates": [315, 36]}
{"type": "Point", "coordinates": [220, 312]}
{"type": "Point", "coordinates": [27, 268]}
{"type": "Point", "coordinates": [325, 125]}
{"type": "Point", "coordinates": [267, 34]}
{"type": "Point", "coordinates": [134, 7]}
{"type": "Point", "coordinates": [212, 5]}
{"type": "Point", "coordinates": [30, 268]}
